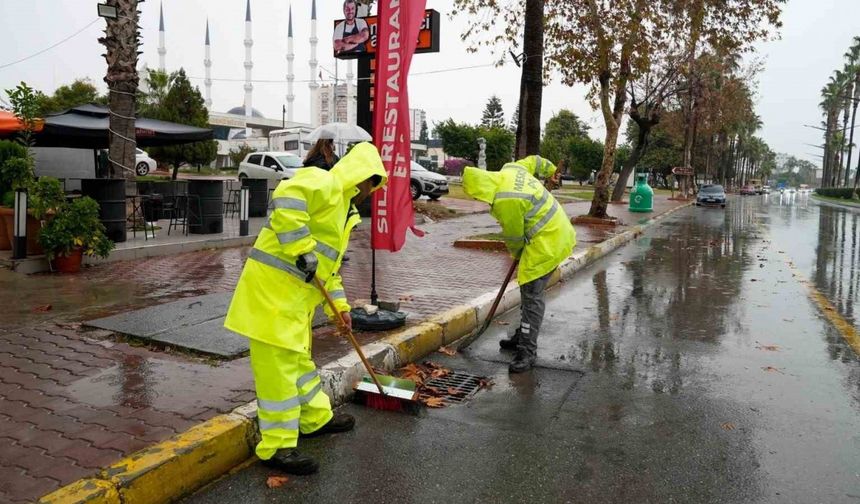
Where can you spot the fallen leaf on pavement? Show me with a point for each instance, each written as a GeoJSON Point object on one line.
{"type": "Point", "coordinates": [433, 402]}
{"type": "Point", "coordinates": [769, 348]}
{"type": "Point", "coordinates": [486, 383]}
{"type": "Point", "coordinates": [455, 391]}
{"type": "Point", "coordinates": [42, 308]}
{"type": "Point", "coordinates": [433, 365]}
{"type": "Point", "coordinates": [439, 373]}
{"type": "Point", "coordinates": [450, 352]}
{"type": "Point", "coordinates": [432, 390]}
{"type": "Point", "coordinates": [727, 426]}
{"type": "Point", "coordinates": [771, 369]}
{"type": "Point", "coordinates": [502, 322]}
{"type": "Point", "coordinates": [414, 373]}
{"type": "Point", "coordinates": [276, 481]}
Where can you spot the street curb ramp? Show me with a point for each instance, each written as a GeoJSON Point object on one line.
{"type": "Point", "coordinates": [184, 463]}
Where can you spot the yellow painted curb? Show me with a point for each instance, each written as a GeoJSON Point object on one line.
{"type": "Point", "coordinates": [456, 322]}
{"type": "Point", "coordinates": [183, 463]}
{"type": "Point", "coordinates": [90, 491]}
{"type": "Point", "coordinates": [168, 470]}
{"type": "Point", "coordinates": [416, 342]}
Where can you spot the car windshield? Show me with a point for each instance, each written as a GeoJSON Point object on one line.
{"type": "Point", "coordinates": [418, 167]}
{"type": "Point", "coordinates": [290, 161]}
{"type": "Point", "coordinates": [714, 189]}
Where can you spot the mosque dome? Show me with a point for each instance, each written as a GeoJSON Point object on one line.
{"type": "Point", "coordinates": [241, 111]}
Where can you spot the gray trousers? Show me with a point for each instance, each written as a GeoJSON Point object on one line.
{"type": "Point", "coordinates": [533, 306]}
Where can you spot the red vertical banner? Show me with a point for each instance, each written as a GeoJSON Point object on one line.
{"type": "Point", "coordinates": [397, 35]}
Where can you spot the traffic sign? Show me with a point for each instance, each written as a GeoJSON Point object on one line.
{"type": "Point", "coordinates": [682, 170]}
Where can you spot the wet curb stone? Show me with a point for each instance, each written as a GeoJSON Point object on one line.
{"type": "Point", "coordinates": [184, 463]}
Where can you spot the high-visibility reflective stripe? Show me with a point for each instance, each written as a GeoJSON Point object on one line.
{"type": "Point", "coordinates": [518, 166]}
{"type": "Point", "coordinates": [288, 425]}
{"type": "Point", "coordinates": [279, 405]}
{"type": "Point", "coordinates": [541, 223]}
{"type": "Point", "coordinates": [288, 404]}
{"type": "Point", "coordinates": [290, 203]}
{"type": "Point", "coordinates": [337, 294]}
{"type": "Point", "coordinates": [305, 378]}
{"type": "Point", "coordinates": [295, 235]}
{"type": "Point", "coordinates": [537, 206]}
{"type": "Point", "coordinates": [516, 195]}
{"type": "Point", "coordinates": [538, 166]}
{"type": "Point", "coordinates": [275, 262]}
{"type": "Point", "coordinates": [327, 251]}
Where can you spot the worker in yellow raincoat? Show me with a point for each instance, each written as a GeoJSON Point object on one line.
{"type": "Point", "coordinates": [536, 231]}
{"type": "Point", "coordinates": [275, 299]}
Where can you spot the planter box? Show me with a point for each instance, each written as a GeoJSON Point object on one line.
{"type": "Point", "coordinates": [33, 228]}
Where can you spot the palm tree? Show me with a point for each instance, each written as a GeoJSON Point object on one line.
{"type": "Point", "coordinates": [852, 68]}
{"type": "Point", "coordinates": [122, 41]}
{"type": "Point", "coordinates": [831, 105]}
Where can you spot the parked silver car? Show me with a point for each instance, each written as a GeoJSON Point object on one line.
{"type": "Point", "coordinates": [425, 182]}
{"type": "Point", "coordinates": [269, 165]}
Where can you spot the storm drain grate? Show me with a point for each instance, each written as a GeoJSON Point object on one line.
{"type": "Point", "coordinates": [454, 388]}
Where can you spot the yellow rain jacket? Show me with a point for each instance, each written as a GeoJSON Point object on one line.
{"type": "Point", "coordinates": [312, 212]}
{"type": "Point", "coordinates": [538, 167]}
{"type": "Point", "coordinates": [535, 227]}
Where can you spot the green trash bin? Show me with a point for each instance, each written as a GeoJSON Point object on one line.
{"type": "Point", "coordinates": [642, 196]}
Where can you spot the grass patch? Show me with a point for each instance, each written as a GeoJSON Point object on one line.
{"type": "Point", "coordinates": [435, 211]}
{"type": "Point", "coordinates": [457, 192]}
{"type": "Point", "coordinates": [839, 201]}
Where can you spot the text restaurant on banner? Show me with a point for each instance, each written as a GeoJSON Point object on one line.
{"type": "Point", "coordinates": [398, 27]}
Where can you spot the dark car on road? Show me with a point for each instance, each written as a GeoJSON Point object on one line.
{"type": "Point", "coordinates": [748, 190]}
{"type": "Point", "coordinates": [711, 195]}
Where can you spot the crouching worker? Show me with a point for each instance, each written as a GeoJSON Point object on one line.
{"type": "Point", "coordinates": [275, 299]}
{"type": "Point", "coordinates": [536, 231]}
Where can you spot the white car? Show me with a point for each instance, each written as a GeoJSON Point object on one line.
{"type": "Point", "coordinates": [269, 165]}
{"type": "Point", "coordinates": [143, 164]}
{"type": "Point", "coordinates": [424, 182]}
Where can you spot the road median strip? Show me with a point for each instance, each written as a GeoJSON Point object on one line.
{"type": "Point", "coordinates": [184, 463]}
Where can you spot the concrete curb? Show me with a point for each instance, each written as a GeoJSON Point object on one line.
{"type": "Point", "coordinates": [187, 461]}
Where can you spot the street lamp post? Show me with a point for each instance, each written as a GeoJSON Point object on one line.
{"type": "Point", "coordinates": [19, 240]}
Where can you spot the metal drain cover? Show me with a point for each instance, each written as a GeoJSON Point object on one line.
{"type": "Point", "coordinates": [456, 387]}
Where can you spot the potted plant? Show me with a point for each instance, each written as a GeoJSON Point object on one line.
{"type": "Point", "coordinates": [74, 231]}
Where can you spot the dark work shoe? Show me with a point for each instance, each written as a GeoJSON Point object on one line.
{"type": "Point", "coordinates": [292, 462]}
{"type": "Point", "coordinates": [340, 422]}
{"type": "Point", "coordinates": [509, 343]}
{"type": "Point", "coordinates": [522, 362]}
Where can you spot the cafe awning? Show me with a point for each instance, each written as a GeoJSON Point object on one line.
{"type": "Point", "coordinates": [86, 127]}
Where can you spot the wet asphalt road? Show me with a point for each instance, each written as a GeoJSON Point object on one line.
{"type": "Point", "coordinates": [689, 366]}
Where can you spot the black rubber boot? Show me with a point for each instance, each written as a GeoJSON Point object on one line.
{"type": "Point", "coordinates": [292, 462]}
{"type": "Point", "coordinates": [510, 343]}
{"type": "Point", "coordinates": [522, 362]}
{"type": "Point", "coordinates": [340, 422]}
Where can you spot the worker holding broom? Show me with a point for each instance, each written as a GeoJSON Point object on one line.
{"type": "Point", "coordinates": [537, 233]}
{"type": "Point", "coordinates": [275, 300]}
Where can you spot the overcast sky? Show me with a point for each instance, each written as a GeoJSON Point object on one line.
{"type": "Point", "coordinates": [816, 34]}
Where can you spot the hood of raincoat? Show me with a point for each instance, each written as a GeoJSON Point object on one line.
{"type": "Point", "coordinates": [481, 184]}
{"type": "Point", "coordinates": [538, 167]}
{"type": "Point", "coordinates": [361, 163]}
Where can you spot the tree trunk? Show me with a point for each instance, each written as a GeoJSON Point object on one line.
{"type": "Point", "coordinates": [531, 81]}
{"type": "Point", "coordinates": [601, 185]}
{"type": "Point", "coordinates": [645, 126]}
{"type": "Point", "coordinates": [850, 144]}
{"type": "Point", "coordinates": [121, 41]}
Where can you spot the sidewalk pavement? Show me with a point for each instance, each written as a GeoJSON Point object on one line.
{"type": "Point", "coordinates": [74, 400]}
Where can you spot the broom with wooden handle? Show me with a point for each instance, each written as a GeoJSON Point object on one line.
{"type": "Point", "coordinates": [382, 400]}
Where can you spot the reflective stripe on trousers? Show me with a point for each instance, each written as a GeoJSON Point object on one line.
{"type": "Point", "coordinates": [289, 397]}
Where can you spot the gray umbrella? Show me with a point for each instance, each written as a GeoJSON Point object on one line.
{"type": "Point", "coordinates": [339, 132]}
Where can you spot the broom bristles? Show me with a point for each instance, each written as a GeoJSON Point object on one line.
{"type": "Point", "coordinates": [383, 403]}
